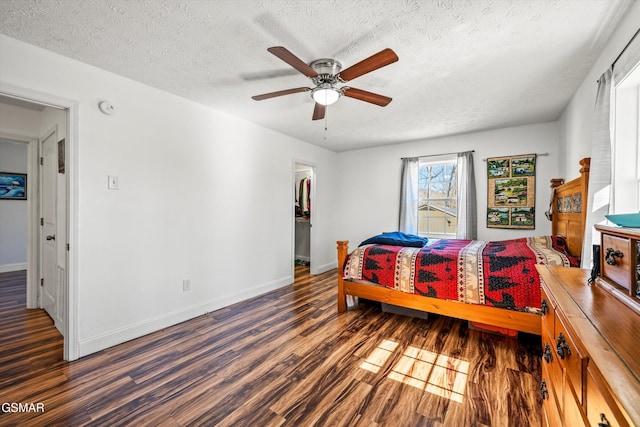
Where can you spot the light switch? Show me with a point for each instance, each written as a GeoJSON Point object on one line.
{"type": "Point", "coordinates": [114, 182]}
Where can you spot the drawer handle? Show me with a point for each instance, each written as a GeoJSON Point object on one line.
{"type": "Point", "coordinates": [611, 254]}
{"type": "Point", "coordinates": [544, 393]}
{"type": "Point", "coordinates": [562, 347]}
{"type": "Point", "coordinates": [547, 353]}
{"type": "Point", "coordinates": [544, 307]}
{"type": "Point", "coordinates": [604, 422]}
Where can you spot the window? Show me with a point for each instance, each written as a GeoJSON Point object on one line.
{"type": "Point", "coordinates": [613, 180]}
{"type": "Point", "coordinates": [626, 155]}
{"type": "Point", "coordinates": [438, 196]}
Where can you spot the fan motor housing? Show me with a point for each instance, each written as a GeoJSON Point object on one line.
{"type": "Point", "coordinates": [327, 70]}
{"type": "Point", "coordinates": [326, 66]}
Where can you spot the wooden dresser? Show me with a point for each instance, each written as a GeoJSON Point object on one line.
{"type": "Point", "coordinates": [591, 351]}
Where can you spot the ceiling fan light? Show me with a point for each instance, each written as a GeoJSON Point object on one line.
{"type": "Point", "coordinates": [325, 95]}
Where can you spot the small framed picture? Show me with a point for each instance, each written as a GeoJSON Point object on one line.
{"type": "Point", "coordinates": [13, 186]}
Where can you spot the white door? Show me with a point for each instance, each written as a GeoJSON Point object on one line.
{"type": "Point", "coordinates": [49, 294]}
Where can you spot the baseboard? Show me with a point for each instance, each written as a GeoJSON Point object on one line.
{"type": "Point", "coordinates": [13, 267]}
{"type": "Point", "coordinates": [139, 329]}
{"type": "Point", "coordinates": [324, 268]}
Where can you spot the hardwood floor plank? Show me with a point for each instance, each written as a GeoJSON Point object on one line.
{"type": "Point", "coordinates": [286, 358]}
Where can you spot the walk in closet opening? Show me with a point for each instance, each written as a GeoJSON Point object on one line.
{"type": "Point", "coordinates": [303, 208]}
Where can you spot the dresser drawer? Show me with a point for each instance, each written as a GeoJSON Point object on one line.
{"type": "Point", "coordinates": [598, 411]}
{"type": "Point", "coordinates": [548, 312]}
{"type": "Point", "coordinates": [550, 415]}
{"type": "Point", "coordinates": [552, 369]}
{"type": "Point", "coordinates": [569, 356]}
{"type": "Point", "coordinates": [549, 401]}
{"type": "Point", "coordinates": [619, 271]}
{"type": "Point", "coordinates": [572, 413]}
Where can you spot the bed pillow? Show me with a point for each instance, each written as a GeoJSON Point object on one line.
{"type": "Point", "coordinates": [396, 238]}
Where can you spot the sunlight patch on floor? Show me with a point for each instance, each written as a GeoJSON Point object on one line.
{"type": "Point", "coordinates": [379, 356]}
{"type": "Point", "coordinates": [423, 369]}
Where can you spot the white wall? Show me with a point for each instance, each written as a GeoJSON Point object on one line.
{"type": "Point", "coordinates": [368, 197]}
{"type": "Point", "coordinates": [203, 196]}
{"type": "Point", "coordinates": [13, 213]}
{"type": "Point", "coordinates": [576, 121]}
{"type": "Point", "coordinates": [19, 121]}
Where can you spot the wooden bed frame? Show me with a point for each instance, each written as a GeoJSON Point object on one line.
{"type": "Point", "coordinates": [568, 211]}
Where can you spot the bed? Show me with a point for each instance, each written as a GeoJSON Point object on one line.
{"type": "Point", "coordinates": [417, 283]}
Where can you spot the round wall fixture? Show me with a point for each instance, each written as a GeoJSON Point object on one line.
{"type": "Point", "coordinates": [107, 108]}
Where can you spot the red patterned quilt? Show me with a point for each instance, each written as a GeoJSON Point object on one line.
{"type": "Point", "coordinates": [499, 273]}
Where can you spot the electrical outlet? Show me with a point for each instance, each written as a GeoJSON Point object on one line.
{"type": "Point", "coordinates": [186, 285]}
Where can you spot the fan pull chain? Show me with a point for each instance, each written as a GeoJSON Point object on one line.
{"type": "Point", "coordinates": [325, 125]}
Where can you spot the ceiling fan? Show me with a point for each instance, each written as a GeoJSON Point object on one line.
{"type": "Point", "coordinates": [327, 73]}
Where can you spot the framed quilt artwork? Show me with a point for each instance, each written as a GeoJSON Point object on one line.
{"type": "Point", "coordinates": [511, 191]}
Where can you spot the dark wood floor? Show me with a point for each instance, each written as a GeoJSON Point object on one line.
{"type": "Point", "coordinates": [284, 358]}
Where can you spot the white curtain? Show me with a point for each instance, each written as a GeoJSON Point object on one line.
{"type": "Point", "coordinates": [409, 196]}
{"type": "Point", "coordinates": [467, 206]}
{"type": "Point", "coordinates": [599, 196]}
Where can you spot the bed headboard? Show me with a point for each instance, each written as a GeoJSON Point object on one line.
{"type": "Point", "coordinates": [569, 208]}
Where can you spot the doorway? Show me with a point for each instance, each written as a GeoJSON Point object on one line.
{"type": "Point", "coordinates": [303, 216]}
{"type": "Point", "coordinates": [43, 128]}
{"type": "Point", "coordinates": [14, 203]}
{"type": "Point", "coordinates": [19, 153]}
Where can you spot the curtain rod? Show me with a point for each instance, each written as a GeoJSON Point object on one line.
{"type": "Point", "coordinates": [518, 155]}
{"type": "Point", "coordinates": [472, 151]}
{"type": "Point", "coordinates": [613, 64]}
{"type": "Point", "coordinates": [441, 154]}
{"type": "Point", "coordinates": [625, 48]}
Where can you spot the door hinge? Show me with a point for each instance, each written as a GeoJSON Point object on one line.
{"type": "Point", "coordinates": [68, 247]}
{"type": "Point", "coordinates": [42, 281]}
{"type": "Point", "coordinates": [41, 221]}
{"type": "Point", "coordinates": [41, 161]}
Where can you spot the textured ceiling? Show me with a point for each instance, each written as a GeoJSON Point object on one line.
{"type": "Point", "coordinates": [464, 65]}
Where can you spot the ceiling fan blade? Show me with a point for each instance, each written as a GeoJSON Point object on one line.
{"type": "Point", "coordinates": [318, 111]}
{"type": "Point", "coordinates": [363, 95]}
{"type": "Point", "coordinates": [293, 60]}
{"type": "Point", "coordinates": [279, 93]}
{"type": "Point", "coordinates": [379, 60]}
